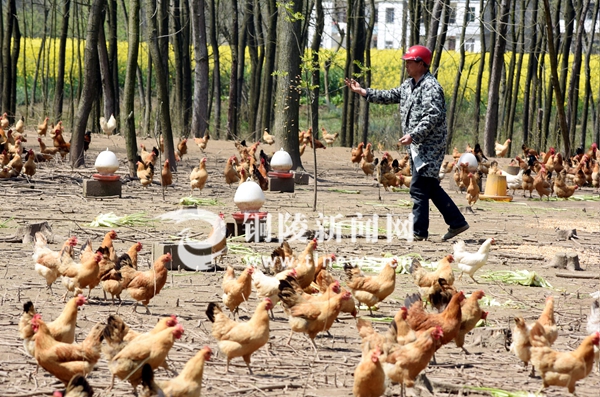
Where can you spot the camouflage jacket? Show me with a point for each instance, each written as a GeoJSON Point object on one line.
{"type": "Point", "coordinates": [423, 112]}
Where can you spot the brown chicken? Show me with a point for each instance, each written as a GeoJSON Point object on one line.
{"type": "Point", "coordinates": [400, 328]}
{"type": "Point", "coordinates": [78, 386]}
{"type": "Point", "coordinates": [425, 279]}
{"type": "Point", "coordinates": [47, 261]}
{"type": "Point", "coordinates": [405, 363]}
{"type": "Point", "coordinates": [115, 286]}
{"type": "Point", "coordinates": [521, 343]}
{"type": "Point", "coordinates": [240, 339]}
{"type": "Point", "coordinates": [370, 290]}
{"type": "Point", "coordinates": [189, 381]}
{"type": "Point", "coordinates": [369, 378]}
{"type": "Point", "coordinates": [148, 157]}
{"type": "Point", "coordinates": [368, 153]}
{"type": "Point", "coordinates": [527, 182]}
{"type": "Point", "coordinates": [62, 329]}
{"type": "Point", "coordinates": [78, 276]}
{"type": "Point", "coordinates": [357, 153]}
{"type": "Point", "coordinates": [231, 174]}
{"type": "Point", "coordinates": [145, 173]}
{"type": "Point", "coordinates": [64, 360]}
{"type": "Point", "coordinates": [323, 263]}
{"type": "Point", "coordinates": [501, 150]}
{"type": "Point", "coordinates": [368, 167]}
{"type": "Point", "coordinates": [564, 191]}
{"type": "Point", "coordinates": [29, 167]}
{"type": "Point", "coordinates": [449, 320]}
{"type": "Point", "coordinates": [199, 176]}
{"type": "Point", "coordinates": [146, 285]}
{"type": "Point", "coordinates": [107, 242]}
{"type": "Point", "coordinates": [305, 264]}
{"type": "Point", "coordinates": [471, 313]}
{"type": "Point", "coordinates": [236, 291]}
{"type": "Point", "coordinates": [547, 321]}
{"type": "Point", "coordinates": [370, 337]}
{"type": "Point", "coordinates": [166, 176]}
{"type": "Point", "coordinates": [59, 142]}
{"type": "Point", "coordinates": [202, 142]}
{"type": "Point", "coordinates": [182, 148]}
{"type": "Point", "coordinates": [310, 317]}
{"type": "Point", "coordinates": [43, 128]}
{"type": "Point", "coordinates": [151, 349]}
{"type": "Point", "coordinates": [472, 191]}
{"type": "Point", "coordinates": [456, 154]}
{"type": "Point", "coordinates": [562, 368]}
{"type": "Point", "coordinates": [386, 175]}
{"type": "Point", "coordinates": [46, 150]}
{"type": "Point", "coordinates": [329, 138]}
{"type": "Point", "coordinates": [541, 185]}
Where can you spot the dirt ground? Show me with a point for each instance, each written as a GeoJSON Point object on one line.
{"type": "Point", "coordinates": [524, 231]}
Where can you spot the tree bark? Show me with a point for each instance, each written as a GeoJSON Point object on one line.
{"type": "Point", "coordinates": [60, 76]}
{"type": "Point", "coordinates": [477, 95]}
{"type": "Point", "coordinates": [161, 84]}
{"type": "Point", "coordinates": [232, 111]}
{"type": "Point", "coordinates": [113, 61]}
{"type": "Point", "coordinates": [560, 100]}
{"type": "Point", "coordinates": [14, 70]}
{"type": "Point", "coordinates": [288, 94]}
{"type": "Point", "coordinates": [364, 105]}
{"type": "Point", "coordinates": [436, 16]}
{"type": "Point", "coordinates": [130, 77]}
{"type": "Point", "coordinates": [200, 102]}
{"type": "Point", "coordinates": [255, 70]}
{"type": "Point", "coordinates": [531, 70]}
{"type": "Point", "coordinates": [588, 87]}
{"type": "Point", "coordinates": [569, 26]}
{"type": "Point", "coordinates": [315, 69]}
{"type": "Point", "coordinates": [90, 90]}
{"type": "Point", "coordinates": [178, 52]}
{"type": "Point", "coordinates": [441, 38]}
{"type": "Point", "coordinates": [491, 117]}
{"type": "Point", "coordinates": [106, 76]}
{"type": "Point", "coordinates": [6, 59]}
{"type": "Point", "coordinates": [346, 130]}
{"type": "Point", "coordinates": [216, 67]}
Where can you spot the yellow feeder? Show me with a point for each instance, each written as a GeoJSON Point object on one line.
{"type": "Point", "coordinates": [495, 189]}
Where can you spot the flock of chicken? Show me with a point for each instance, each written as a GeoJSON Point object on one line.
{"type": "Point", "coordinates": [310, 296]}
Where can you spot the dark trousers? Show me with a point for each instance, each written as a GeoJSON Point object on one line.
{"type": "Point", "coordinates": [422, 189]}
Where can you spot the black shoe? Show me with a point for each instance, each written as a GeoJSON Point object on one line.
{"type": "Point", "coordinates": [454, 232]}
{"type": "Point", "coordinates": [419, 238]}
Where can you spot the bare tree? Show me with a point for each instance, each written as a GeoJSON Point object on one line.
{"type": "Point", "coordinates": [7, 77]}
{"type": "Point", "coordinates": [588, 87]}
{"type": "Point", "coordinates": [130, 77]}
{"type": "Point", "coordinates": [232, 111]}
{"type": "Point", "coordinates": [200, 103]}
{"type": "Point", "coordinates": [60, 73]}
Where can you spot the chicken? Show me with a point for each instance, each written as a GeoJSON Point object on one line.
{"type": "Point", "coordinates": [425, 279]}
{"type": "Point", "coordinates": [78, 386]}
{"type": "Point", "coordinates": [305, 264]}
{"type": "Point", "coordinates": [87, 139]}
{"type": "Point", "coordinates": [564, 191]}
{"type": "Point", "coordinates": [449, 320]}
{"type": "Point", "coordinates": [15, 165]}
{"type": "Point", "coordinates": [385, 175]}
{"type": "Point", "coordinates": [146, 285]}
{"type": "Point", "coordinates": [370, 290]}
{"type": "Point", "coordinates": [329, 138]}
{"type": "Point", "coordinates": [302, 149]}
{"type": "Point", "coordinates": [268, 138]}
{"type": "Point", "coordinates": [108, 126]}
{"type": "Point", "coordinates": [268, 286]}
{"type": "Point", "coordinates": [198, 176]}
{"type": "Point", "coordinates": [471, 262]}
{"type": "Point", "coordinates": [472, 191]}
{"type": "Point", "coordinates": [4, 121]}
{"type": "Point", "coordinates": [356, 153]}
{"type": "Point", "coordinates": [257, 177]}
{"type": "Point", "coordinates": [114, 286]}
{"type": "Point", "coordinates": [149, 387]}
{"type": "Point", "coordinates": [310, 317]}
{"type": "Point", "coordinates": [501, 150]}
{"type": "Point", "coordinates": [202, 142]}
{"type": "Point", "coordinates": [43, 128]}
{"type": "Point", "coordinates": [521, 342]}
{"type": "Point", "coordinates": [236, 291]}
{"type": "Point", "coordinates": [240, 339]}
{"type": "Point", "coordinates": [46, 150]}
{"type": "Point", "coordinates": [189, 381]}
{"type": "Point", "coordinates": [596, 175]}
{"type": "Point", "coordinates": [456, 154]}
{"type": "Point", "coordinates": [404, 364]}
{"type": "Point", "coordinates": [47, 261]}
{"type": "Point", "coordinates": [62, 329]}
{"type": "Point", "coordinates": [514, 182]}
{"type": "Point", "coordinates": [593, 152]}
{"type": "Point", "coordinates": [29, 166]}
{"type": "Point", "coordinates": [562, 368]}
{"type": "Point", "coordinates": [132, 253]}
{"type": "Point", "coordinates": [166, 176]}
{"type": "Point", "coordinates": [593, 325]}
{"type": "Point", "coordinates": [181, 148]}
{"type": "Point", "coordinates": [151, 349]}
{"type": "Point", "coordinates": [471, 313]}
{"type": "Point", "coordinates": [547, 321]}
{"type": "Point", "coordinates": [402, 331]}
{"type": "Point", "coordinates": [541, 185]}
{"type": "Point", "coordinates": [231, 174]}
{"type": "Point", "coordinates": [369, 378]}
{"type": "Point", "coordinates": [323, 263]}
{"type": "Point", "coordinates": [527, 182]}
{"type": "Point", "coordinates": [145, 173]}
{"type": "Point", "coordinates": [77, 276]}
{"type": "Point", "coordinates": [368, 168]}
{"type": "Point", "coordinates": [59, 142]}
{"type": "Point", "coordinates": [371, 338]}
{"type": "Point", "coordinates": [368, 153]}
{"type": "Point", "coordinates": [65, 360]}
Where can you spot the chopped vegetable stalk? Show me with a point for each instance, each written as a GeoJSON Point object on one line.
{"type": "Point", "coordinates": [112, 220]}
{"type": "Point", "coordinates": [521, 277]}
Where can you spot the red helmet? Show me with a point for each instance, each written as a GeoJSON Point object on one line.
{"type": "Point", "coordinates": [418, 53]}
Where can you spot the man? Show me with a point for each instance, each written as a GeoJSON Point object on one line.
{"type": "Point", "coordinates": [423, 113]}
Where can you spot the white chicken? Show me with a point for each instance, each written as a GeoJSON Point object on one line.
{"type": "Point", "coordinates": [268, 286]}
{"type": "Point", "coordinates": [593, 325]}
{"type": "Point", "coordinates": [46, 260]}
{"type": "Point", "coordinates": [471, 262]}
{"type": "Point", "coordinates": [514, 182]}
{"type": "Point", "coordinates": [108, 126]}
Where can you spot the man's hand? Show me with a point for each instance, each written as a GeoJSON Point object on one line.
{"type": "Point", "coordinates": [355, 86]}
{"type": "Point", "coordinates": [405, 140]}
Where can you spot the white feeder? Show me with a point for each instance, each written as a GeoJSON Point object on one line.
{"type": "Point", "coordinates": [470, 159]}
{"type": "Point", "coordinates": [249, 197]}
{"type": "Point", "coordinates": [106, 163]}
{"type": "Point", "coordinates": [281, 161]}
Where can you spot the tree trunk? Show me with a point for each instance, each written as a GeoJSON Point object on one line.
{"type": "Point", "coordinates": [569, 26]}
{"type": "Point", "coordinates": [441, 38]}
{"type": "Point", "coordinates": [232, 111]}
{"type": "Point", "coordinates": [14, 70]}
{"type": "Point", "coordinates": [255, 71]}
{"type": "Point", "coordinates": [242, 111]}
{"type": "Point", "coordinates": [187, 68]}
{"type": "Point", "coordinates": [560, 100]}
{"type": "Point", "coordinates": [508, 92]}
{"type": "Point", "coordinates": [90, 85]}
{"type": "Point", "coordinates": [491, 116]}
{"type": "Point", "coordinates": [216, 67]}
{"type": "Point", "coordinates": [315, 67]}
{"type": "Point", "coordinates": [200, 102]}
{"type": "Point", "coordinates": [62, 49]}
{"type": "Point", "coordinates": [461, 64]}
{"type": "Point", "coordinates": [106, 76]}
{"type": "Point", "coordinates": [364, 105]}
{"type": "Point", "coordinates": [588, 86]}
{"type": "Point", "coordinates": [178, 52]}
{"type": "Point", "coordinates": [287, 95]}
{"type": "Point", "coordinates": [514, 95]}
{"type": "Point", "coordinates": [477, 95]}
{"type": "Point", "coordinates": [358, 58]}
{"type": "Point", "coordinates": [130, 76]}
{"type": "Point", "coordinates": [162, 87]}
{"type": "Point", "coordinates": [494, 23]}
{"type": "Point", "coordinates": [148, 109]}
{"type": "Point", "coordinates": [573, 93]}
{"type": "Point", "coordinates": [436, 15]}
{"type": "Point", "coordinates": [346, 131]}
{"type": "Point", "coordinates": [113, 61]}
{"type": "Point", "coordinates": [531, 70]}
{"type": "Point", "coordinates": [266, 96]}
{"type": "Point", "coordinates": [162, 25]}
{"type": "Point", "coordinates": [6, 59]}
